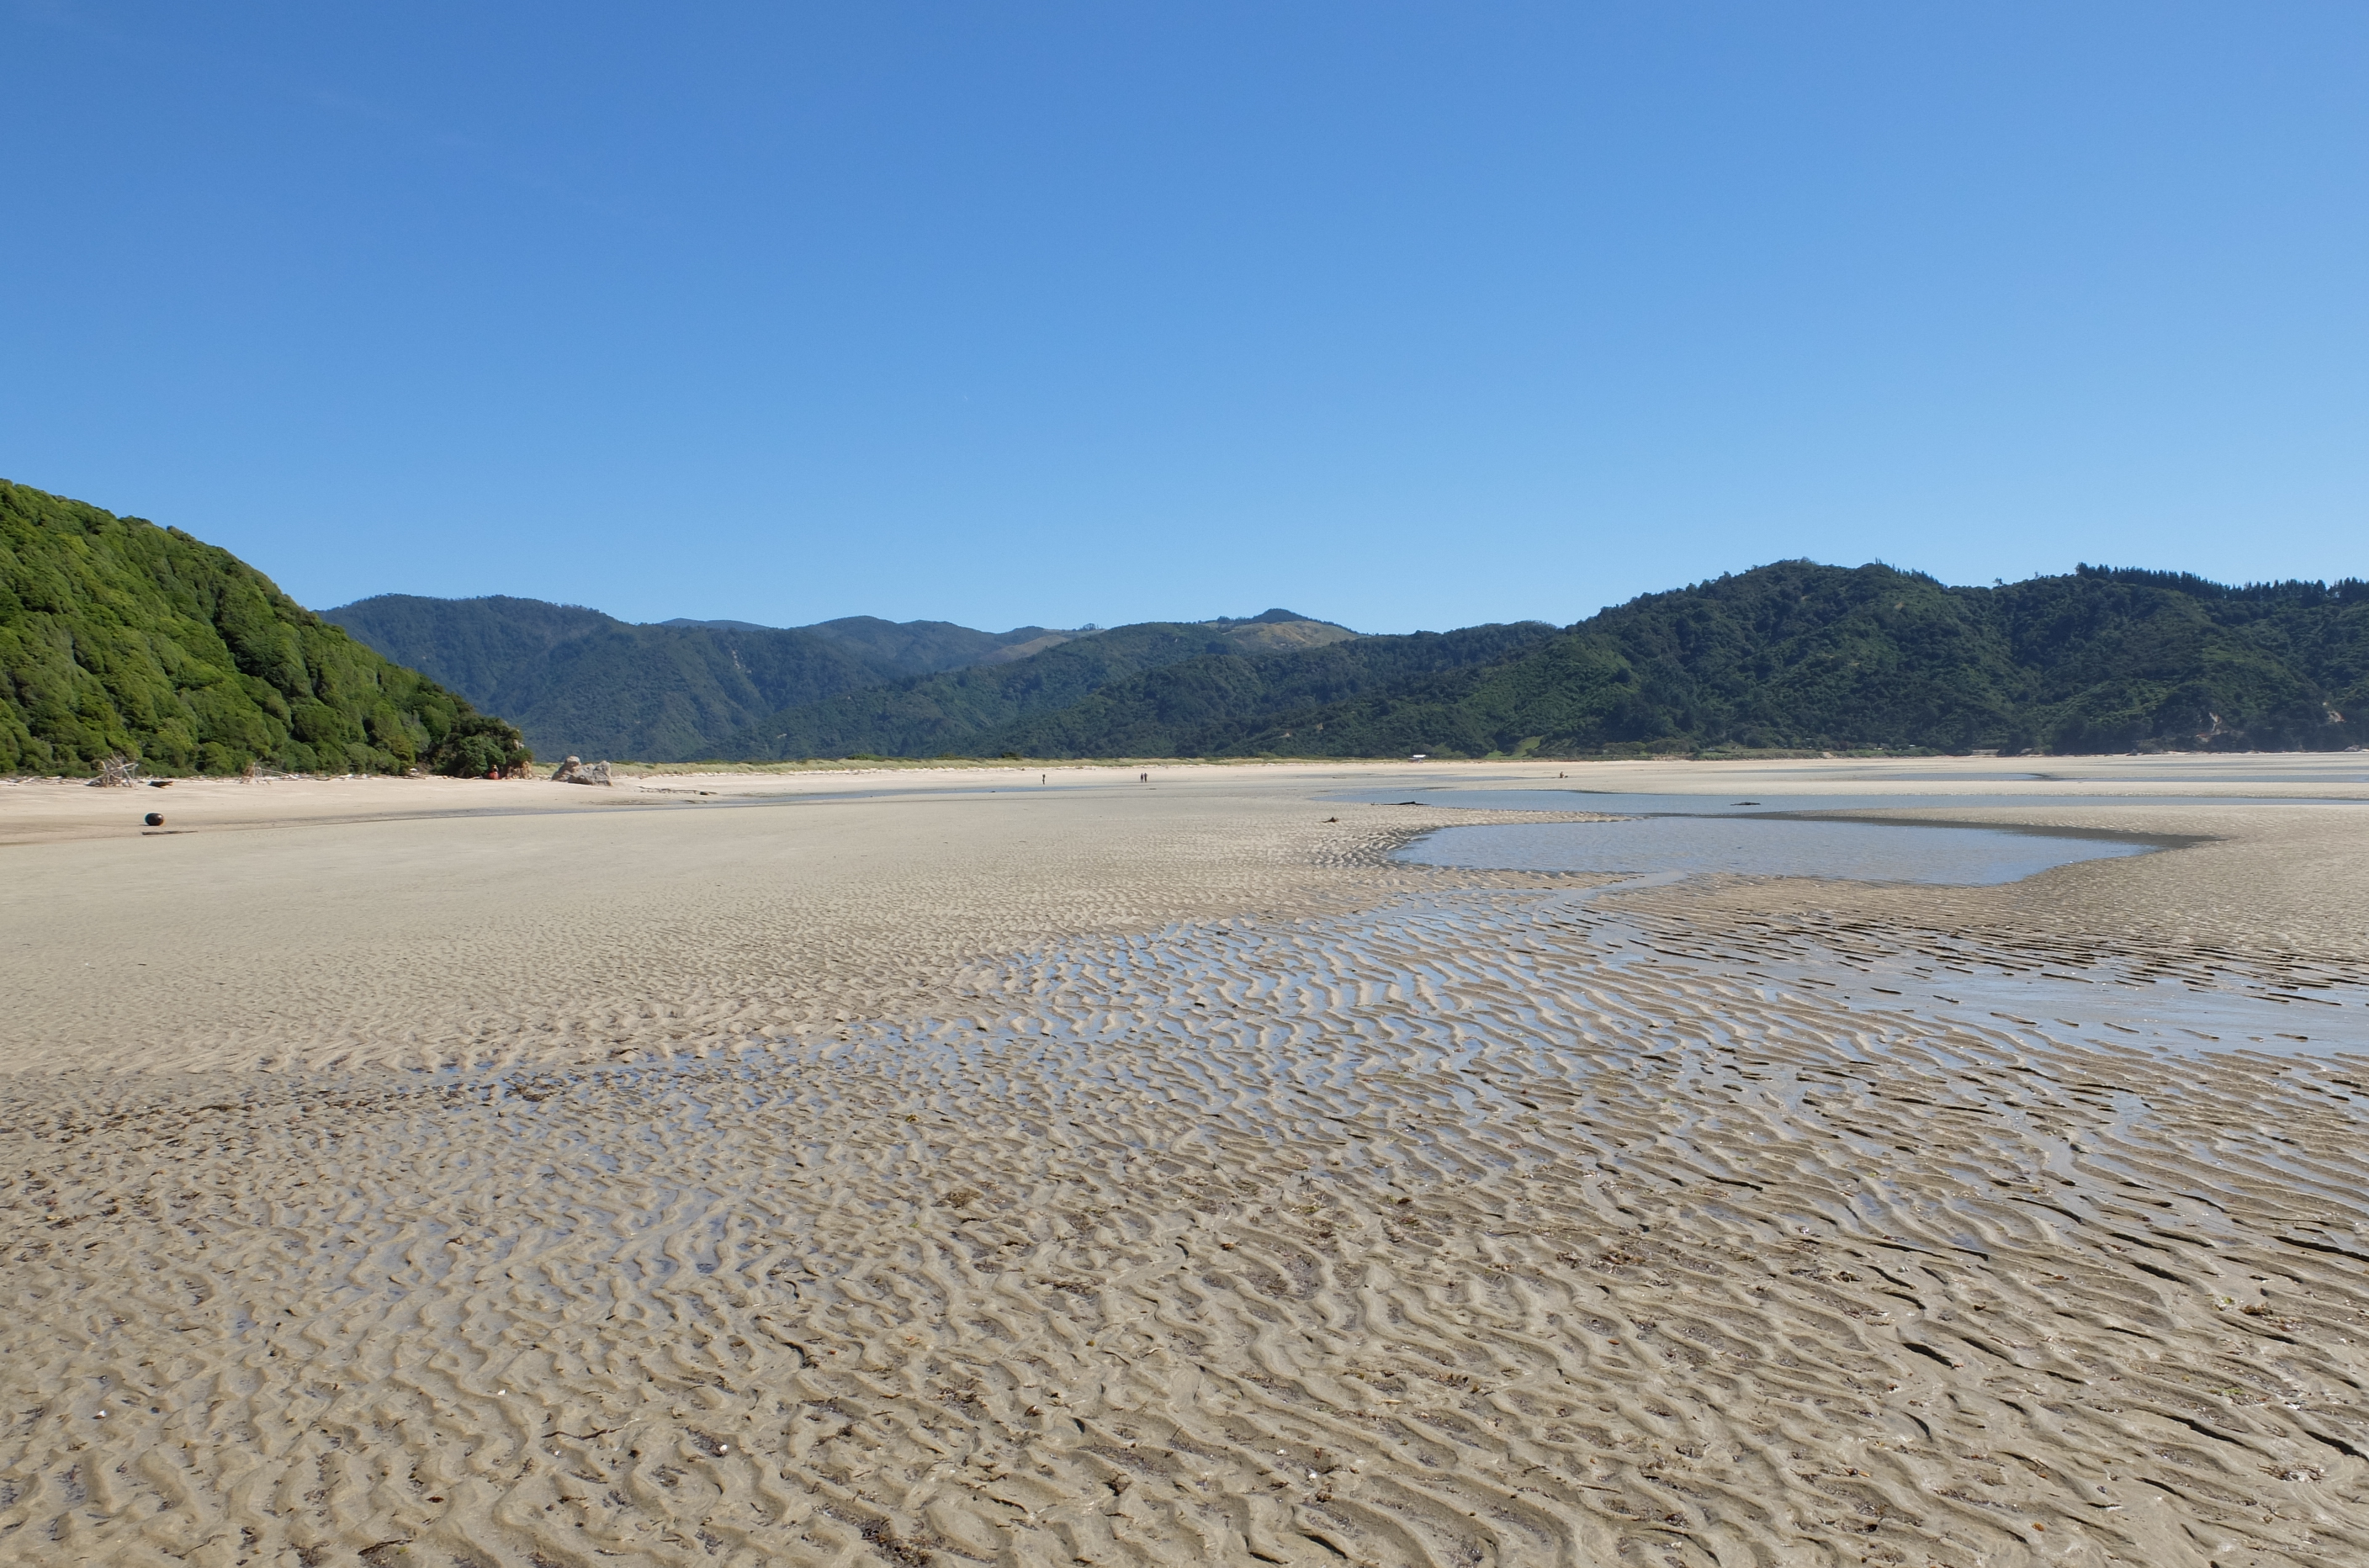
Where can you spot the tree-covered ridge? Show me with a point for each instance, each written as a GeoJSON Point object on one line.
{"type": "Point", "coordinates": [968, 710]}
{"type": "Point", "coordinates": [1202, 706]}
{"type": "Point", "coordinates": [472, 646]}
{"type": "Point", "coordinates": [1792, 656]}
{"type": "Point", "coordinates": [1801, 656]}
{"type": "Point", "coordinates": [578, 680]}
{"type": "Point", "coordinates": [925, 647]}
{"type": "Point", "coordinates": [117, 637]}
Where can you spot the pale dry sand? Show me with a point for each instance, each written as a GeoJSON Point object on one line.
{"type": "Point", "coordinates": [520, 1175]}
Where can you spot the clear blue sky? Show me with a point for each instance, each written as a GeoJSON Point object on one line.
{"type": "Point", "coordinates": [1401, 314]}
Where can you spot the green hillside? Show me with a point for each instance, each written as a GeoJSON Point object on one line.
{"type": "Point", "coordinates": [925, 647]}
{"type": "Point", "coordinates": [1793, 655]}
{"type": "Point", "coordinates": [469, 644]}
{"type": "Point", "coordinates": [965, 711]}
{"type": "Point", "coordinates": [1797, 655]}
{"type": "Point", "coordinates": [1204, 705]}
{"type": "Point", "coordinates": [911, 648]}
{"type": "Point", "coordinates": [578, 680]}
{"type": "Point", "coordinates": [117, 637]}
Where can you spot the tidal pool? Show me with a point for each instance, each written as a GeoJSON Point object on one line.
{"type": "Point", "coordinates": [1765, 846]}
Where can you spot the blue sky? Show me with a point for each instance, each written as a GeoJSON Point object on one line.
{"type": "Point", "coordinates": [1407, 315]}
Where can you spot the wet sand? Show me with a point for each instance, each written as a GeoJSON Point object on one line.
{"type": "Point", "coordinates": [426, 1173]}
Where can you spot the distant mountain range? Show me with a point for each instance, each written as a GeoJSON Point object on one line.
{"type": "Point", "coordinates": [1797, 656]}
{"type": "Point", "coordinates": [578, 680]}
{"type": "Point", "coordinates": [1791, 657]}
{"type": "Point", "coordinates": [118, 635]}
{"type": "Point", "coordinates": [989, 709]}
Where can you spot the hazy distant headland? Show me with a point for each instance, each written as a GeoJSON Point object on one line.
{"type": "Point", "coordinates": [117, 637]}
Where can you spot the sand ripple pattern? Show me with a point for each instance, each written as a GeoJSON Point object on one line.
{"type": "Point", "coordinates": [1485, 1227]}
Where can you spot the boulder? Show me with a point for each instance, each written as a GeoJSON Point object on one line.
{"type": "Point", "coordinates": [578, 771]}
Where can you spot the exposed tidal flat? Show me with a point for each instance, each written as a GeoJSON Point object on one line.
{"type": "Point", "coordinates": [958, 1167]}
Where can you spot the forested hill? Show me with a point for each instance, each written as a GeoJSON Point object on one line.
{"type": "Point", "coordinates": [117, 637]}
{"type": "Point", "coordinates": [986, 708]}
{"type": "Point", "coordinates": [1206, 705]}
{"type": "Point", "coordinates": [578, 680]}
{"type": "Point", "coordinates": [1801, 656]}
{"type": "Point", "coordinates": [1792, 656]}
{"type": "Point", "coordinates": [913, 647]}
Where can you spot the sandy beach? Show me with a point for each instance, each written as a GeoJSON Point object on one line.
{"type": "Point", "coordinates": [948, 1166]}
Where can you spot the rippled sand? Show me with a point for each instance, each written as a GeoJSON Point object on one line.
{"type": "Point", "coordinates": [1118, 1173]}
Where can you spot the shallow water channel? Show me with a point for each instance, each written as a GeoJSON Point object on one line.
{"type": "Point", "coordinates": [1670, 837]}
{"type": "Point", "coordinates": [1784, 836]}
{"type": "Point", "coordinates": [1860, 851]}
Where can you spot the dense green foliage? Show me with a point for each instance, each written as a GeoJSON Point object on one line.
{"type": "Point", "coordinates": [481, 746]}
{"type": "Point", "coordinates": [469, 644]}
{"type": "Point", "coordinates": [925, 647]}
{"type": "Point", "coordinates": [1793, 655]}
{"type": "Point", "coordinates": [578, 680]}
{"type": "Point", "coordinates": [1203, 705]}
{"type": "Point", "coordinates": [1802, 656]}
{"type": "Point", "coordinates": [119, 637]}
{"type": "Point", "coordinates": [969, 711]}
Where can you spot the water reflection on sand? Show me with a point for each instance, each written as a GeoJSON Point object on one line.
{"type": "Point", "coordinates": [1859, 851]}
